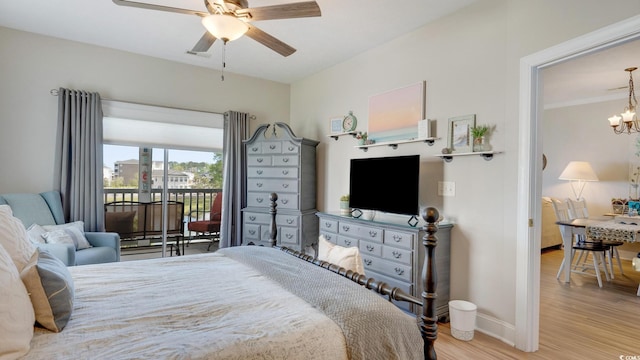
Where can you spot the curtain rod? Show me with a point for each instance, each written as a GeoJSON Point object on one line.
{"type": "Point", "coordinates": [54, 92]}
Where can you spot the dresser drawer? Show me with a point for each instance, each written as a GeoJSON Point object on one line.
{"type": "Point", "coordinates": [370, 233]}
{"type": "Point", "coordinates": [251, 231]}
{"type": "Point", "coordinates": [285, 160]}
{"type": "Point", "coordinates": [398, 238]}
{"type": "Point", "coordinates": [347, 228]}
{"type": "Point", "coordinates": [370, 248]}
{"type": "Point", "coordinates": [396, 254]}
{"type": "Point", "coordinates": [347, 241]}
{"type": "Point", "coordinates": [330, 237]}
{"type": "Point", "coordinates": [259, 160]}
{"type": "Point", "coordinates": [275, 172]}
{"type": "Point", "coordinates": [274, 147]}
{"type": "Point", "coordinates": [328, 225]}
{"type": "Point", "coordinates": [388, 268]}
{"type": "Point", "coordinates": [290, 148]}
{"type": "Point", "coordinates": [272, 185]}
{"type": "Point", "coordinates": [288, 235]}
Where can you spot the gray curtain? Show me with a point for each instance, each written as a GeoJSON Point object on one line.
{"type": "Point", "coordinates": [78, 167]}
{"type": "Point", "coordinates": [236, 129]}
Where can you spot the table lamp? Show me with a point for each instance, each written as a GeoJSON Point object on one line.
{"type": "Point", "coordinates": [578, 172]}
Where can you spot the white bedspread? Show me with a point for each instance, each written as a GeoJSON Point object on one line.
{"type": "Point", "coordinates": [192, 307]}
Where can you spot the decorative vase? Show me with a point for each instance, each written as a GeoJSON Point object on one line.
{"type": "Point", "coordinates": [345, 210]}
{"type": "Point", "coordinates": [480, 144]}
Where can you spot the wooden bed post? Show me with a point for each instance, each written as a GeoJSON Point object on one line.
{"type": "Point", "coordinates": [272, 210]}
{"type": "Point", "coordinates": [429, 319]}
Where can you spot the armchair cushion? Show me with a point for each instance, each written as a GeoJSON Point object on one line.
{"type": "Point", "coordinates": [70, 233]}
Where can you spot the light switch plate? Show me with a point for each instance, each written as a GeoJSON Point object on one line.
{"type": "Point", "coordinates": [446, 188]}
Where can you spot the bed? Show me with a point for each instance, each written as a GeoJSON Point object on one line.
{"type": "Point", "coordinates": [247, 302]}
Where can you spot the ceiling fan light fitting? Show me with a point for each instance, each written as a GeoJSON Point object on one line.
{"type": "Point", "coordinates": [225, 27]}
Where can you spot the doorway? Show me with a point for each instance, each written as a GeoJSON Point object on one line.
{"type": "Point", "coordinates": [530, 168]}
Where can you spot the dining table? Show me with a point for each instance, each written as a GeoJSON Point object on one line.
{"type": "Point", "coordinates": [624, 228]}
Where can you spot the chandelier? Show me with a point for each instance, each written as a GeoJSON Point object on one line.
{"type": "Point", "coordinates": [629, 123]}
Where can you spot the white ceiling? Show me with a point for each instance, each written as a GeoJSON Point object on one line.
{"type": "Point", "coordinates": [596, 77]}
{"type": "Point", "coordinates": [346, 28]}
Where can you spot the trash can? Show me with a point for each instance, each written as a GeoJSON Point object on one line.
{"type": "Point", "coordinates": [463, 319]}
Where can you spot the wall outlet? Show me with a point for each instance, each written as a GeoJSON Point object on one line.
{"type": "Point", "coordinates": [446, 188]}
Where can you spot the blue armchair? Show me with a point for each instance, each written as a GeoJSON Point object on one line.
{"type": "Point", "coordinates": [46, 209]}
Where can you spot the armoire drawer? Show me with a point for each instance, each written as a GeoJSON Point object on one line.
{"type": "Point", "coordinates": [272, 185]}
{"type": "Point", "coordinates": [274, 147]}
{"type": "Point", "coordinates": [285, 160]}
{"type": "Point", "coordinates": [273, 172]}
{"type": "Point", "coordinates": [259, 160]}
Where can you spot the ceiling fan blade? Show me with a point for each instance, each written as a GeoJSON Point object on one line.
{"type": "Point", "coordinates": [204, 43]}
{"type": "Point", "coordinates": [269, 41]}
{"type": "Point", "coordinates": [285, 11]}
{"type": "Point", "coordinates": [159, 7]}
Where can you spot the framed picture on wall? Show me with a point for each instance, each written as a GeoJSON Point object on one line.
{"type": "Point", "coordinates": [459, 135]}
{"type": "Point", "coordinates": [394, 115]}
{"type": "Point", "coordinates": [336, 125]}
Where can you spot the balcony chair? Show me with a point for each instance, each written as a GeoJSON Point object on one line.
{"type": "Point", "coordinates": [210, 227]}
{"type": "Point", "coordinates": [578, 210]}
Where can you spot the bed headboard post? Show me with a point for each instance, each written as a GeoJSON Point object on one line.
{"type": "Point", "coordinates": [272, 210]}
{"type": "Point", "coordinates": [429, 319]}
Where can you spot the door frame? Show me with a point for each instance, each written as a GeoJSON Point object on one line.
{"type": "Point", "coordinates": [529, 189]}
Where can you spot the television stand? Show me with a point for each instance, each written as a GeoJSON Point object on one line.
{"type": "Point", "coordinates": [393, 253]}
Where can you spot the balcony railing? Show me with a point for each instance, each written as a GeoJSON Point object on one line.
{"type": "Point", "coordinates": [197, 202]}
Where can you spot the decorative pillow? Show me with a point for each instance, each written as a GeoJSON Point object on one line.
{"type": "Point", "coordinates": [70, 233]}
{"type": "Point", "coordinates": [16, 312]}
{"type": "Point", "coordinates": [35, 233]}
{"type": "Point", "coordinates": [348, 258]}
{"type": "Point", "coordinates": [14, 238]}
{"type": "Point", "coordinates": [50, 286]}
{"type": "Point", "coordinates": [120, 222]}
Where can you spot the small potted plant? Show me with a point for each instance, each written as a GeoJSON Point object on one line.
{"type": "Point", "coordinates": [479, 133]}
{"type": "Point", "coordinates": [362, 137]}
{"type": "Point", "coordinates": [344, 205]}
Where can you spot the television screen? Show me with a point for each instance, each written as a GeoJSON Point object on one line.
{"type": "Point", "coordinates": [388, 184]}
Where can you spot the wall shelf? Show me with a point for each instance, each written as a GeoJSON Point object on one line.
{"type": "Point", "coordinates": [487, 155]}
{"type": "Point", "coordinates": [394, 144]}
{"type": "Point", "coordinates": [336, 136]}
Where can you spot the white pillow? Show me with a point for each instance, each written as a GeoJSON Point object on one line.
{"type": "Point", "coordinates": [14, 238]}
{"type": "Point", "coordinates": [16, 312]}
{"type": "Point", "coordinates": [35, 232]}
{"type": "Point", "coordinates": [70, 233]}
{"type": "Point", "coordinates": [348, 258]}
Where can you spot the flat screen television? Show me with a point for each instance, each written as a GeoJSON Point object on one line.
{"type": "Point", "coordinates": [388, 184]}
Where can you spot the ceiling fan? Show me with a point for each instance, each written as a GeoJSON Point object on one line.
{"type": "Point", "coordinates": [229, 19]}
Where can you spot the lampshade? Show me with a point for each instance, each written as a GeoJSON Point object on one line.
{"type": "Point", "coordinates": [578, 170]}
{"type": "Point", "coordinates": [224, 27]}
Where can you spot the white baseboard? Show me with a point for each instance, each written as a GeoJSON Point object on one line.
{"type": "Point", "coordinates": [496, 328]}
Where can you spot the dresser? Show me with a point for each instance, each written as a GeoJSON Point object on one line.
{"type": "Point", "coordinates": [279, 162]}
{"type": "Point", "coordinates": [394, 254]}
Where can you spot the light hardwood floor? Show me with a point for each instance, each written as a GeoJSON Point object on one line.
{"type": "Point", "coordinates": [577, 320]}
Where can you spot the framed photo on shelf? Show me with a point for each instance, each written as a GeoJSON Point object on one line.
{"type": "Point", "coordinates": [336, 125]}
{"type": "Point", "coordinates": [459, 135]}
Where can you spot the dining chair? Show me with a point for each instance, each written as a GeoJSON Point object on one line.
{"type": "Point", "coordinates": [598, 251]}
{"type": "Point", "coordinates": [577, 210]}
